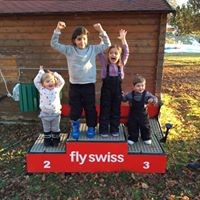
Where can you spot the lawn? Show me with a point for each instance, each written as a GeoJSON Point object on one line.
{"type": "Point", "coordinates": [181, 107]}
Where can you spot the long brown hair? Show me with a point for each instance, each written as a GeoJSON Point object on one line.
{"type": "Point", "coordinates": [119, 49]}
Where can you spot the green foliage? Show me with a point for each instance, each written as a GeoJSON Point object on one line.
{"type": "Point", "coordinates": [187, 17]}
{"type": "Point", "coordinates": [182, 59]}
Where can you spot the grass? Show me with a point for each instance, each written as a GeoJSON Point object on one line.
{"type": "Point", "coordinates": [182, 107]}
{"type": "Point", "coordinates": [182, 59]}
{"type": "Point", "coordinates": [180, 95]}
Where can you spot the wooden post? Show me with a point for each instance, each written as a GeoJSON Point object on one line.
{"type": "Point", "coordinates": [160, 54]}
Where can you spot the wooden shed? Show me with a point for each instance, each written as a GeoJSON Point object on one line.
{"type": "Point", "coordinates": [26, 28]}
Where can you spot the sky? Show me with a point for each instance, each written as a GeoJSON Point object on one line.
{"type": "Point", "coordinates": [180, 2]}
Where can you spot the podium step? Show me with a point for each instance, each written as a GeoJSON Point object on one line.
{"type": "Point", "coordinates": [39, 147]}
{"type": "Point", "coordinates": [141, 148]}
{"type": "Point", "coordinates": [155, 128]}
{"type": "Point", "coordinates": [98, 138]}
{"type": "Point", "coordinates": [99, 154]}
{"type": "Point", "coordinates": [138, 147]}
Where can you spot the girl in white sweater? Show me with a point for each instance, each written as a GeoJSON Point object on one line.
{"type": "Point", "coordinates": [49, 86]}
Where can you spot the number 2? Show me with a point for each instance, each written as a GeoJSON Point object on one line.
{"type": "Point", "coordinates": [47, 164]}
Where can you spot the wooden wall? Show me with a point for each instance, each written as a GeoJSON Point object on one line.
{"type": "Point", "coordinates": [25, 45]}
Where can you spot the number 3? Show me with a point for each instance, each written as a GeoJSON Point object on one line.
{"type": "Point", "coordinates": [146, 165]}
{"type": "Point", "coordinates": [47, 164]}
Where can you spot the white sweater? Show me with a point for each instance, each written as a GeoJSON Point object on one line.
{"type": "Point", "coordinates": [49, 99]}
{"type": "Point", "coordinates": [81, 62]}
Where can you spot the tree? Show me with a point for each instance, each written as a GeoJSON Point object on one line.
{"type": "Point", "coordinates": [195, 4]}
{"type": "Point", "coordinates": [187, 17]}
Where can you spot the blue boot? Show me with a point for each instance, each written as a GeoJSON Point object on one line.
{"type": "Point", "coordinates": [75, 129]}
{"type": "Point", "coordinates": [91, 132]}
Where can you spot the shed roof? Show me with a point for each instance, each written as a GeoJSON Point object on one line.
{"type": "Point", "coordinates": [69, 6]}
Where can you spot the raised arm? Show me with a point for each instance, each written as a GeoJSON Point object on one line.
{"type": "Point", "coordinates": [60, 79]}
{"type": "Point", "coordinates": [37, 79]}
{"type": "Point", "coordinates": [55, 38]}
{"type": "Point", "coordinates": [122, 37]}
{"type": "Point", "coordinates": [104, 37]}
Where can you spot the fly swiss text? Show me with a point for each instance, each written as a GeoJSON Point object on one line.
{"type": "Point", "coordinates": [76, 156]}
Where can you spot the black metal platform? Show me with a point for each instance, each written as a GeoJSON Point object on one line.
{"type": "Point", "coordinates": [137, 148]}
{"type": "Point", "coordinates": [39, 147]}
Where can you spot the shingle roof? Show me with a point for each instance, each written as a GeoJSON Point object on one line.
{"type": "Point", "coordinates": [68, 6]}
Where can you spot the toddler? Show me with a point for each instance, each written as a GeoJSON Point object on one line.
{"type": "Point", "coordinates": [49, 86]}
{"type": "Point", "coordinates": [138, 119]}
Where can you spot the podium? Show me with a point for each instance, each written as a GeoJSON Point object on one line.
{"type": "Point", "coordinates": [111, 154]}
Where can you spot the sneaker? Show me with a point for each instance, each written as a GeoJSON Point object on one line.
{"type": "Point", "coordinates": [130, 142]}
{"type": "Point", "coordinates": [194, 165]}
{"type": "Point", "coordinates": [104, 135]}
{"type": "Point", "coordinates": [91, 132]}
{"type": "Point", "coordinates": [115, 134]}
{"type": "Point", "coordinates": [147, 142]}
{"type": "Point", "coordinates": [75, 129]}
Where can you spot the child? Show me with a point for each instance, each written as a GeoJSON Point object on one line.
{"type": "Point", "coordinates": [81, 59]}
{"type": "Point", "coordinates": [112, 74]}
{"type": "Point", "coordinates": [138, 116]}
{"type": "Point", "coordinates": [49, 86]}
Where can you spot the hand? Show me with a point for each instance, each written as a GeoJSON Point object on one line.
{"type": "Point", "coordinates": [122, 34]}
{"type": "Point", "coordinates": [61, 25]}
{"type": "Point", "coordinates": [124, 93]}
{"type": "Point", "coordinates": [41, 67]}
{"type": "Point", "coordinates": [98, 27]}
{"type": "Point", "coordinates": [49, 71]}
{"type": "Point", "coordinates": [150, 100]}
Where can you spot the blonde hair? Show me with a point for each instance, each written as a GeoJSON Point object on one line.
{"type": "Point", "coordinates": [48, 75]}
{"type": "Point", "coordinates": [119, 49]}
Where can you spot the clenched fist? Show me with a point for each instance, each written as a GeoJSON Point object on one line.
{"type": "Point", "coordinates": [61, 25]}
{"type": "Point", "coordinates": [98, 27]}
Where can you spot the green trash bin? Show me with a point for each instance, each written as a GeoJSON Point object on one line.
{"type": "Point", "coordinates": [29, 98]}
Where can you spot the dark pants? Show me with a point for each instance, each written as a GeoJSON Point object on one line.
{"type": "Point", "coordinates": [138, 122]}
{"type": "Point", "coordinates": [110, 102]}
{"type": "Point", "coordinates": [82, 97]}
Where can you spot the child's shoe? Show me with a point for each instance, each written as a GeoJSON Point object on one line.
{"type": "Point", "coordinates": [48, 139]}
{"type": "Point", "coordinates": [75, 129]}
{"type": "Point", "coordinates": [104, 134]}
{"type": "Point", "coordinates": [56, 138]}
{"type": "Point", "coordinates": [91, 132]}
{"type": "Point", "coordinates": [131, 142]}
{"type": "Point", "coordinates": [147, 142]}
{"type": "Point", "coordinates": [115, 134]}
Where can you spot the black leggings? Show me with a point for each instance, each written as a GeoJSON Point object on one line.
{"type": "Point", "coordinates": [82, 97]}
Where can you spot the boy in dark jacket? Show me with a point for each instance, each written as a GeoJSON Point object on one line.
{"type": "Point", "coordinates": [138, 120]}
